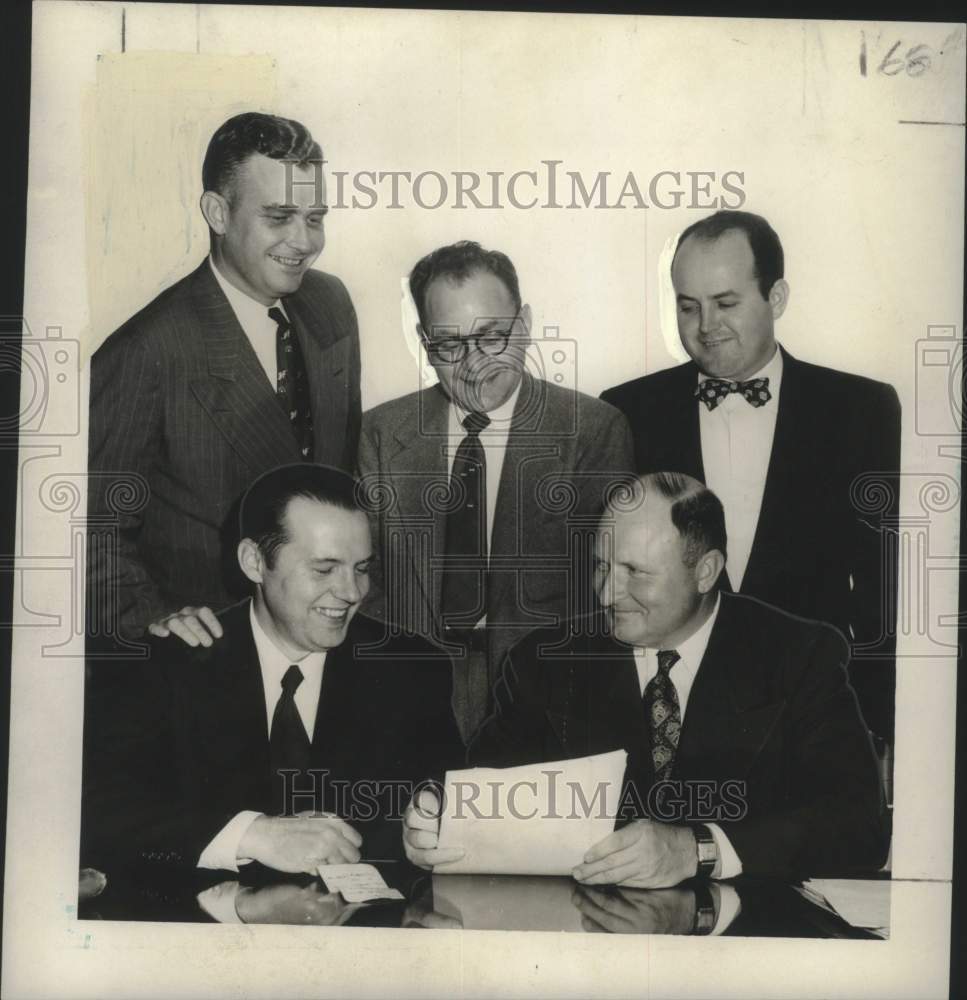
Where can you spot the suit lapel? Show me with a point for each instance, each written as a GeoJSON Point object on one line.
{"type": "Point", "coordinates": [235, 392]}
{"type": "Point", "coordinates": [418, 468]}
{"type": "Point", "coordinates": [512, 508]}
{"type": "Point", "coordinates": [730, 712]}
{"type": "Point", "coordinates": [327, 363]}
{"type": "Point", "coordinates": [231, 701]}
{"type": "Point", "coordinates": [780, 496]}
{"type": "Point", "coordinates": [681, 429]}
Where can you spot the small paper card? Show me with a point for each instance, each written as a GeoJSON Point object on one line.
{"type": "Point", "coordinates": [357, 883]}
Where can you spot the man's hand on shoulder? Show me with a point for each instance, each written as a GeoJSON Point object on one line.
{"type": "Point", "coordinates": [297, 844]}
{"type": "Point", "coordinates": [195, 626]}
{"type": "Point", "coordinates": [643, 854]}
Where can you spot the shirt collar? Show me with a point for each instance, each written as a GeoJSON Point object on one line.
{"type": "Point", "coordinates": [274, 661]}
{"type": "Point", "coordinates": [692, 650]}
{"type": "Point", "coordinates": [772, 370]}
{"type": "Point", "coordinates": [247, 311]}
{"type": "Point", "coordinates": [500, 417]}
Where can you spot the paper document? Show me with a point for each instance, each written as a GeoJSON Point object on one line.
{"type": "Point", "coordinates": [356, 883]}
{"type": "Point", "coordinates": [860, 902]}
{"type": "Point", "coordinates": [534, 820]}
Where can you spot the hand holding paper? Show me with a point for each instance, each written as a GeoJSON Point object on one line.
{"type": "Point", "coordinates": [539, 819]}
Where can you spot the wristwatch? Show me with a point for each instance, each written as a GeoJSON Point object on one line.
{"type": "Point", "coordinates": [708, 852]}
{"type": "Point", "coordinates": [704, 922]}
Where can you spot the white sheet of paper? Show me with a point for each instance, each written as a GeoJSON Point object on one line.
{"type": "Point", "coordinates": [533, 820]}
{"type": "Point", "coordinates": [357, 883]}
{"type": "Point", "coordinates": [860, 902]}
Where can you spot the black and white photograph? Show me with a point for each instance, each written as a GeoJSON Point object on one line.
{"type": "Point", "coordinates": [494, 474]}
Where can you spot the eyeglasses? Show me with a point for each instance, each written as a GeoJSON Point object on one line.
{"type": "Point", "coordinates": [452, 350]}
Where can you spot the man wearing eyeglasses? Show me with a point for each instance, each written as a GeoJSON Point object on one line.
{"type": "Point", "coordinates": [482, 486]}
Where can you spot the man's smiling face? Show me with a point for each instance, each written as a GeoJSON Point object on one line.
{"type": "Point", "coordinates": [270, 228]}
{"type": "Point", "coordinates": [318, 577]}
{"type": "Point", "coordinates": [724, 323]}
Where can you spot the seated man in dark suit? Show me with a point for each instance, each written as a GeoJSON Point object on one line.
{"type": "Point", "coordinates": [281, 742]}
{"type": "Point", "coordinates": [746, 750]}
{"type": "Point", "coordinates": [805, 459]}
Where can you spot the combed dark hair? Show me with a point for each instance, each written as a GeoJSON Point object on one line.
{"type": "Point", "coordinates": [767, 252]}
{"type": "Point", "coordinates": [262, 512]}
{"type": "Point", "coordinates": [253, 132]}
{"type": "Point", "coordinates": [696, 512]}
{"type": "Point", "coordinates": [456, 263]}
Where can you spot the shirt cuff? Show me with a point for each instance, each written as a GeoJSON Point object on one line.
{"type": "Point", "coordinates": [729, 864]}
{"type": "Point", "coordinates": [219, 902]}
{"type": "Point", "coordinates": [729, 907]}
{"type": "Point", "coordinates": [222, 851]}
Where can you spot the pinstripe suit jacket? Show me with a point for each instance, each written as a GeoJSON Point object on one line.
{"type": "Point", "coordinates": [563, 452]}
{"type": "Point", "coordinates": [182, 419]}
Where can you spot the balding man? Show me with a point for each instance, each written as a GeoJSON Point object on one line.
{"type": "Point", "coordinates": [746, 750]}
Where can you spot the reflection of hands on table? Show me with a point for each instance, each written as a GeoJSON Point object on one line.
{"type": "Point", "coordinates": [195, 626]}
{"type": "Point", "coordinates": [292, 904]}
{"type": "Point", "coordinates": [635, 911]}
{"type": "Point", "coordinates": [420, 913]}
{"type": "Point", "coordinates": [643, 854]}
{"type": "Point", "coordinates": [299, 844]}
{"type": "Point", "coordinates": [421, 833]}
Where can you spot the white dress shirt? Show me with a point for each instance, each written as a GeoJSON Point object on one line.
{"type": "Point", "coordinates": [736, 447]}
{"type": "Point", "coordinates": [494, 439]}
{"type": "Point", "coordinates": [256, 324]}
{"type": "Point", "coordinates": [682, 674]}
{"type": "Point", "coordinates": [222, 851]}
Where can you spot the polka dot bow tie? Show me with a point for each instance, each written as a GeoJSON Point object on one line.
{"type": "Point", "coordinates": [713, 390]}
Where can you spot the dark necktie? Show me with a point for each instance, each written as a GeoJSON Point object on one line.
{"type": "Point", "coordinates": [464, 578]}
{"type": "Point", "coordinates": [713, 390]}
{"type": "Point", "coordinates": [288, 743]}
{"type": "Point", "coordinates": [292, 383]}
{"type": "Point", "coordinates": [660, 703]}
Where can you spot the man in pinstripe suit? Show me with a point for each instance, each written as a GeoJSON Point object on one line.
{"type": "Point", "coordinates": [185, 396]}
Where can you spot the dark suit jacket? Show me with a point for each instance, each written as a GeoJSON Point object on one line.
{"type": "Point", "coordinates": [180, 401]}
{"type": "Point", "coordinates": [771, 722]}
{"type": "Point", "coordinates": [179, 745]}
{"type": "Point", "coordinates": [563, 451]}
{"type": "Point", "coordinates": [837, 438]}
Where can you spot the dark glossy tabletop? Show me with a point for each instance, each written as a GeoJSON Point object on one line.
{"type": "Point", "coordinates": [743, 906]}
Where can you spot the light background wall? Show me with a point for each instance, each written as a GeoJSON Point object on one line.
{"type": "Point", "coordinates": [862, 176]}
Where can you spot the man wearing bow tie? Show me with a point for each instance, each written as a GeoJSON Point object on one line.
{"type": "Point", "coordinates": [250, 360]}
{"type": "Point", "coordinates": [794, 451]}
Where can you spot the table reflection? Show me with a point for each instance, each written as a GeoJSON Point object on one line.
{"type": "Point", "coordinates": [746, 907]}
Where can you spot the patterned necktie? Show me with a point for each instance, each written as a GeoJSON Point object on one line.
{"type": "Point", "coordinates": [464, 596]}
{"type": "Point", "coordinates": [713, 390]}
{"type": "Point", "coordinates": [660, 703]}
{"type": "Point", "coordinates": [292, 382]}
{"type": "Point", "coordinates": [288, 743]}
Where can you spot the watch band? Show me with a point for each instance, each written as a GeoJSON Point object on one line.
{"type": "Point", "coordinates": [704, 922]}
{"type": "Point", "coordinates": [706, 849]}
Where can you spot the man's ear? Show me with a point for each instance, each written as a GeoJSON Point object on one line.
{"type": "Point", "coordinates": [708, 569]}
{"type": "Point", "coordinates": [215, 209]}
{"type": "Point", "coordinates": [250, 559]}
{"type": "Point", "coordinates": [526, 319]}
{"type": "Point", "coordinates": [779, 297]}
